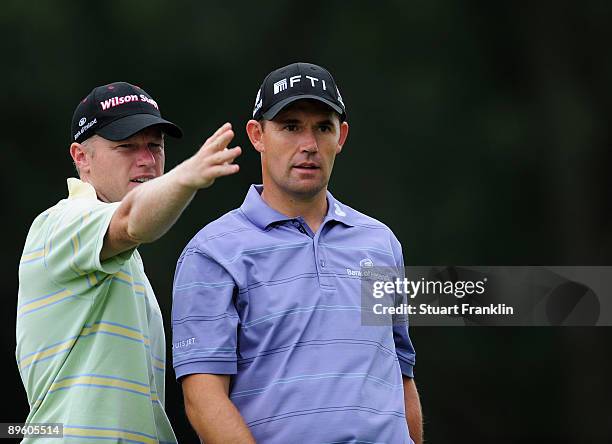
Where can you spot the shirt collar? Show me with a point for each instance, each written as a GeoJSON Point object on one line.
{"type": "Point", "coordinates": [79, 189]}
{"type": "Point", "coordinates": [337, 211]}
{"type": "Point", "coordinates": [262, 215]}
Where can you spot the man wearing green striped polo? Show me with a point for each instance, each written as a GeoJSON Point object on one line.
{"type": "Point", "coordinates": [90, 339]}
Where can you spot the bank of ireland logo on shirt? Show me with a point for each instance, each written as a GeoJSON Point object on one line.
{"type": "Point", "coordinates": [279, 86]}
{"type": "Point", "coordinates": [366, 263]}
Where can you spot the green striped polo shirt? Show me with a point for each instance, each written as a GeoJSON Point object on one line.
{"type": "Point", "coordinates": [90, 338]}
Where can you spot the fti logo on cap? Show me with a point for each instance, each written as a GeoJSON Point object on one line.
{"type": "Point", "coordinates": [281, 85]}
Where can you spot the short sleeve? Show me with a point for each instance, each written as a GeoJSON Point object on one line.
{"type": "Point", "coordinates": [403, 345]}
{"type": "Point", "coordinates": [204, 317]}
{"type": "Point", "coordinates": [75, 238]}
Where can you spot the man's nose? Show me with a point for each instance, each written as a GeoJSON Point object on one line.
{"type": "Point", "coordinates": [145, 157]}
{"type": "Point", "coordinates": [309, 141]}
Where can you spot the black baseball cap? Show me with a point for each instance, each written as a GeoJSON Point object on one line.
{"type": "Point", "coordinates": [295, 82]}
{"type": "Point", "coordinates": [117, 111]}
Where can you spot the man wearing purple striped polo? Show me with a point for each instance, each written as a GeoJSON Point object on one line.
{"type": "Point", "coordinates": [268, 340]}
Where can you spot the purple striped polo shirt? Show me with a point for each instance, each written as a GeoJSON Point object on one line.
{"type": "Point", "coordinates": [259, 296]}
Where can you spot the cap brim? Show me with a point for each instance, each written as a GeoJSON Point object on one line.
{"type": "Point", "coordinates": [277, 107]}
{"type": "Point", "coordinates": [127, 126]}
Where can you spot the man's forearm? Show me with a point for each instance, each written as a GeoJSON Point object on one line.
{"type": "Point", "coordinates": [218, 421]}
{"type": "Point", "coordinates": [412, 404]}
{"type": "Point", "coordinates": [211, 413]}
{"type": "Point", "coordinates": [153, 207]}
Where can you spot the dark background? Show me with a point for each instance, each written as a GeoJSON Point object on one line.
{"type": "Point", "coordinates": [480, 133]}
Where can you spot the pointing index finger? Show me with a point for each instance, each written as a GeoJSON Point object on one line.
{"type": "Point", "coordinates": [221, 142]}
{"type": "Point", "coordinates": [220, 131]}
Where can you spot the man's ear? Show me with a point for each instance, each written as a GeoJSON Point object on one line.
{"type": "Point", "coordinates": [344, 128]}
{"type": "Point", "coordinates": [255, 130]}
{"type": "Point", "coordinates": [79, 155]}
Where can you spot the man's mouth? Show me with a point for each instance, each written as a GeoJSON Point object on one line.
{"type": "Point", "coordinates": [141, 179]}
{"type": "Point", "coordinates": [307, 166]}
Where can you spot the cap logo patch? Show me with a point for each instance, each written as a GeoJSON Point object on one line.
{"type": "Point", "coordinates": [258, 102]}
{"type": "Point", "coordinates": [279, 86]}
{"type": "Point", "coordinates": [120, 100]}
{"type": "Point", "coordinates": [339, 97]}
{"type": "Point", "coordinates": [294, 79]}
{"type": "Point", "coordinates": [313, 80]}
{"type": "Point", "coordinates": [82, 121]}
{"type": "Point", "coordinates": [85, 128]}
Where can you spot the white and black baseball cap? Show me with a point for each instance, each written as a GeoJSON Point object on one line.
{"type": "Point", "coordinates": [296, 82]}
{"type": "Point", "coordinates": [117, 111]}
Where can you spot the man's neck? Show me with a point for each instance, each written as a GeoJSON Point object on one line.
{"type": "Point", "coordinates": [312, 209]}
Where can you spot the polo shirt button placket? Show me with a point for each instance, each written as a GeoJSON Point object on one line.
{"type": "Point", "coordinates": [322, 266]}
{"type": "Point", "coordinates": [297, 224]}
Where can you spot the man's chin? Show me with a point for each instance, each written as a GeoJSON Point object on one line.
{"type": "Point", "coordinates": [307, 190]}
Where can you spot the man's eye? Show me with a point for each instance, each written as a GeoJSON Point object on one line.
{"type": "Point", "coordinates": [155, 147]}
{"type": "Point", "coordinates": [291, 127]}
{"type": "Point", "coordinates": [325, 128]}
